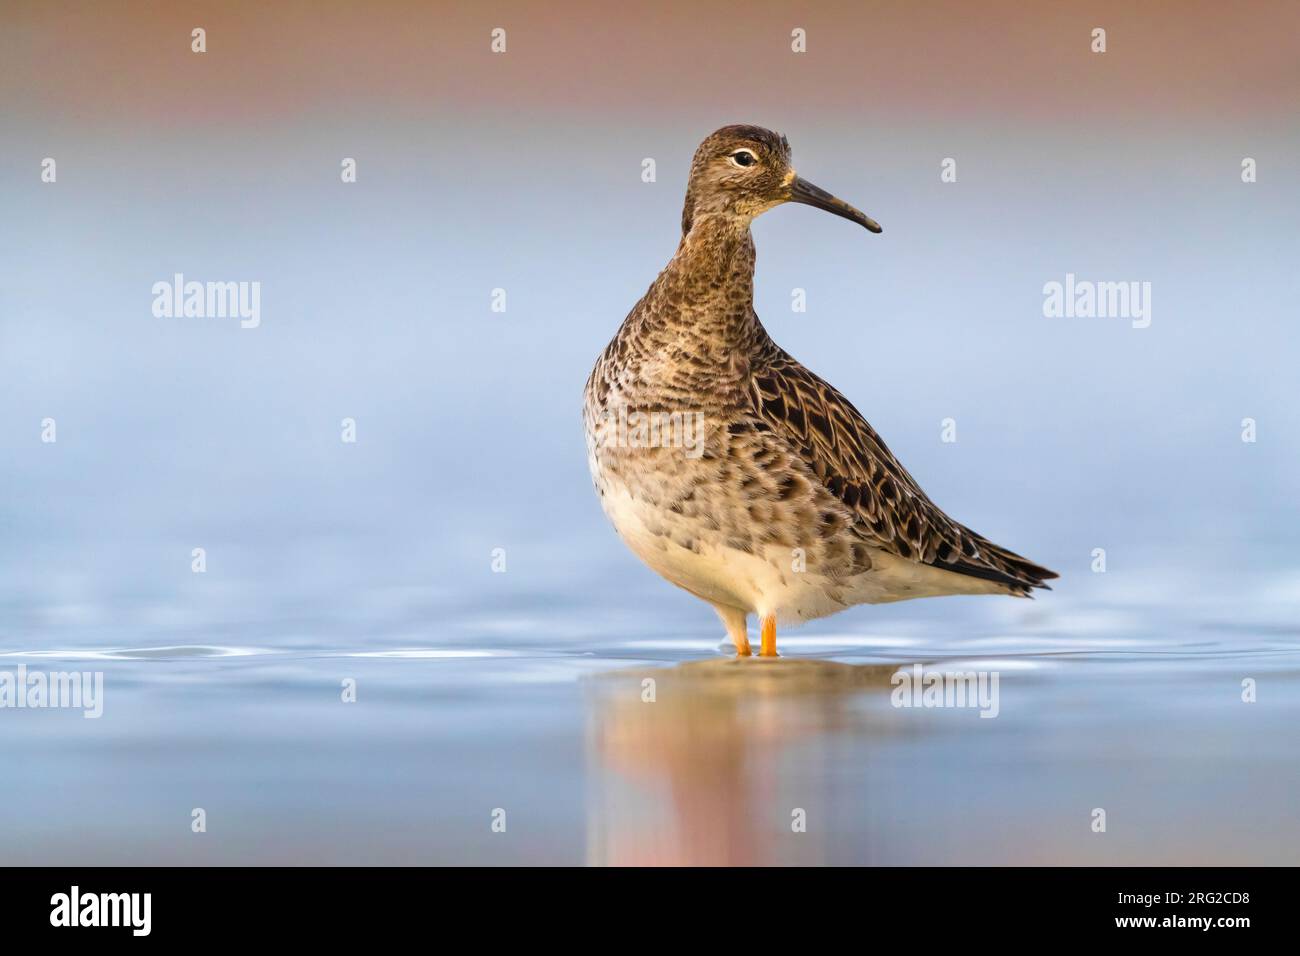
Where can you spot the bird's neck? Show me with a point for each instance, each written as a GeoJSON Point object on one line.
{"type": "Point", "coordinates": [717, 248]}
{"type": "Point", "coordinates": [705, 295]}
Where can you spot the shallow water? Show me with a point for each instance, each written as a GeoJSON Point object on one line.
{"type": "Point", "coordinates": [1118, 705]}
{"type": "Point", "coordinates": [330, 559]}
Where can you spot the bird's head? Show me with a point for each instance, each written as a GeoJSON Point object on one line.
{"type": "Point", "coordinates": [742, 171]}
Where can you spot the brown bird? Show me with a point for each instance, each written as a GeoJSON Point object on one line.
{"type": "Point", "coordinates": [735, 472]}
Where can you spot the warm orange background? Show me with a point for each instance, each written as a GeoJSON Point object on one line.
{"type": "Point", "coordinates": [104, 63]}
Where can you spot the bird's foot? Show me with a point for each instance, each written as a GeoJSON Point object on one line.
{"type": "Point", "coordinates": [734, 620]}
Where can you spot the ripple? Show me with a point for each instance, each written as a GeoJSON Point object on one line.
{"type": "Point", "coordinates": [165, 652]}
{"type": "Point", "coordinates": [434, 654]}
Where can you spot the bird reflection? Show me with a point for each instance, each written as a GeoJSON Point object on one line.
{"type": "Point", "coordinates": [712, 762]}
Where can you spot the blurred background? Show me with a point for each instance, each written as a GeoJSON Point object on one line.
{"type": "Point", "coordinates": [522, 171]}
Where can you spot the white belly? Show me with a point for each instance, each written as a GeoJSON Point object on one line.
{"type": "Point", "coordinates": [768, 582]}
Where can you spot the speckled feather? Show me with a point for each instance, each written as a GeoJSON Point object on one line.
{"type": "Point", "coordinates": [787, 462]}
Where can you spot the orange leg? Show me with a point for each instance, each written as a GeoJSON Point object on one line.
{"type": "Point", "coordinates": [734, 620]}
{"type": "Point", "coordinates": [768, 648]}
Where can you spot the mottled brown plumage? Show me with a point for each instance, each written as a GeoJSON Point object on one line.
{"type": "Point", "coordinates": [788, 505]}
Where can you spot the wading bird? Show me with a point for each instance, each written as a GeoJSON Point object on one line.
{"type": "Point", "coordinates": [788, 505]}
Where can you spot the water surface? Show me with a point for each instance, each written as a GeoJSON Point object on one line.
{"type": "Point", "coordinates": [543, 713]}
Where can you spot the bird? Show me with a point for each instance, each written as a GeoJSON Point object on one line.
{"type": "Point", "coordinates": [736, 473]}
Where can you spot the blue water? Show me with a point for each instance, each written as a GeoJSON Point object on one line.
{"type": "Point", "coordinates": [536, 708]}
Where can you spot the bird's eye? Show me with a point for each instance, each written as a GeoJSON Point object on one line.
{"type": "Point", "coordinates": [743, 157]}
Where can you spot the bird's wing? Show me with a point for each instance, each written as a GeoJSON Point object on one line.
{"type": "Point", "coordinates": [824, 429]}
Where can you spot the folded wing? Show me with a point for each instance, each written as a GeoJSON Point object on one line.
{"type": "Point", "coordinates": [831, 436]}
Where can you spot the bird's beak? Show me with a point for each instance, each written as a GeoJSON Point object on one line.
{"type": "Point", "coordinates": [805, 192]}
